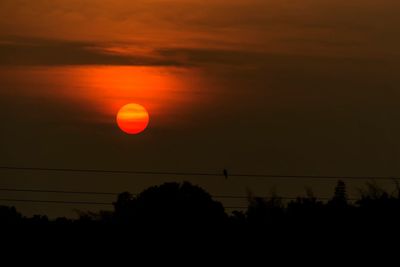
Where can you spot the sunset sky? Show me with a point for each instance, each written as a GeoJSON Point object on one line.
{"type": "Point", "coordinates": [305, 87]}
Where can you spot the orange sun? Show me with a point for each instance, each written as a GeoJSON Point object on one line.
{"type": "Point", "coordinates": [132, 118]}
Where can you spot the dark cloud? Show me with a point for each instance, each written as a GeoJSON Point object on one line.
{"type": "Point", "coordinates": [36, 51]}
{"type": "Point", "coordinates": [16, 51]}
{"type": "Point", "coordinates": [50, 52]}
{"type": "Point", "coordinates": [193, 56]}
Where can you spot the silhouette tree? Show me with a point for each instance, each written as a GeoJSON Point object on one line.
{"type": "Point", "coordinates": [265, 210]}
{"type": "Point", "coordinates": [124, 208]}
{"type": "Point", "coordinates": [340, 196]}
{"type": "Point", "coordinates": [238, 218]}
{"type": "Point", "coordinates": [377, 206]}
{"type": "Point", "coordinates": [305, 210]}
{"type": "Point", "coordinates": [38, 220]}
{"type": "Point", "coordinates": [190, 207]}
{"type": "Point", "coordinates": [170, 204]}
{"type": "Point", "coordinates": [9, 215]}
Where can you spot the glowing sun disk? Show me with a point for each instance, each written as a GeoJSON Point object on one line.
{"type": "Point", "coordinates": [133, 118]}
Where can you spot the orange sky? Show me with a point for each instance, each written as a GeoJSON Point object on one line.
{"type": "Point", "coordinates": [305, 87]}
{"type": "Point", "coordinates": [301, 27]}
{"type": "Point", "coordinates": [167, 93]}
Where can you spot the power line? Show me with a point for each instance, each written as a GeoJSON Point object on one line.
{"type": "Point", "coordinates": [97, 193]}
{"type": "Point", "coordinates": [77, 202]}
{"type": "Point", "coordinates": [107, 171]}
{"type": "Point", "coordinates": [55, 201]}
{"type": "Point", "coordinates": [133, 172]}
{"type": "Point", "coordinates": [57, 191]}
{"type": "Point", "coordinates": [91, 192]}
{"type": "Point", "coordinates": [115, 194]}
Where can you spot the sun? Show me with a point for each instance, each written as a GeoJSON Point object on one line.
{"type": "Point", "coordinates": [133, 118]}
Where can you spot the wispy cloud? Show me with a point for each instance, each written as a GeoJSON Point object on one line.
{"type": "Point", "coordinates": [36, 51]}
{"type": "Point", "coordinates": [49, 52]}
{"type": "Point", "coordinates": [24, 51]}
{"type": "Point", "coordinates": [309, 26]}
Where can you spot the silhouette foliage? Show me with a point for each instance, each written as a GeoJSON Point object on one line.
{"type": "Point", "coordinates": [187, 205]}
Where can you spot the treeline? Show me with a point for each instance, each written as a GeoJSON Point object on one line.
{"type": "Point", "coordinates": [175, 204]}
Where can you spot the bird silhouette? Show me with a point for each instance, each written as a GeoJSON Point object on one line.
{"type": "Point", "coordinates": [226, 173]}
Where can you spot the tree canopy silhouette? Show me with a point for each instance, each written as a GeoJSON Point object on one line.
{"type": "Point", "coordinates": [169, 204]}
{"type": "Point", "coordinates": [187, 205]}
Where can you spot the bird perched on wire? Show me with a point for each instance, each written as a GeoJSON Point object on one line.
{"type": "Point", "coordinates": [226, 173]}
